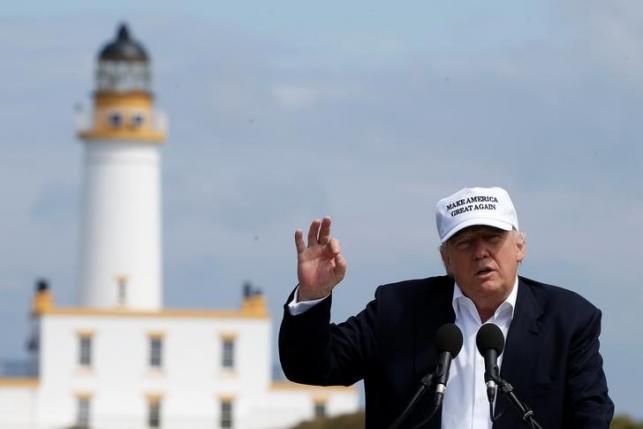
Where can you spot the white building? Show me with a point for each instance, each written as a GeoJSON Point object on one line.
{"type": "Point", "coordinates": [120, 360]}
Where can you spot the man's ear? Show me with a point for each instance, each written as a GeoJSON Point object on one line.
{"type": "Point", "coordinates": [445, 258]}
{"type": "Point", "coordinates": [521, 246]}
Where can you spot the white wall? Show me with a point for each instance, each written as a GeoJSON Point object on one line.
{"type": "Point", "coordinates": [17, 407]}
{"type": "Point", "coordinates": [191, 382]}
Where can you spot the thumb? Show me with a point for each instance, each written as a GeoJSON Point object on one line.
{"type": "Point", "coordinates": [340, 267]}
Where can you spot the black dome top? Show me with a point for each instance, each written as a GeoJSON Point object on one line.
{"type": "Point", "coordinates": [124, 48]}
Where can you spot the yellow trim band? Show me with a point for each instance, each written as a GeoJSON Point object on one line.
{"type": "Point", "coordinates": [123, 134]}
{"type": "Point", "coordinates": [19, 382]}
{"type": "Point", "coordinates": [178, 314]}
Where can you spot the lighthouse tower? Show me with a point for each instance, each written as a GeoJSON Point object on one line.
{"type": "Point", "coordinates": [120, 251]}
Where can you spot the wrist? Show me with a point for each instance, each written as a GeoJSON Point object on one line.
{"type": "Point", "coordinates": [303, 295]}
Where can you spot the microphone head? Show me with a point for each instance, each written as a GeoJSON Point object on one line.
{"type": "Point", "coordinates": [490, 337]}
{"type": "Point", "coordinates": [449, 339]}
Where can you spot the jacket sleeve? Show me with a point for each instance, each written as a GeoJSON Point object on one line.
{"type": "Point", "coordinates": [587, 402]}
{"type": "Point", "coordinates": [314, 351]}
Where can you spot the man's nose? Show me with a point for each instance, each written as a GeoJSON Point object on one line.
{"type": "Point", "coordinates": [480, 250]}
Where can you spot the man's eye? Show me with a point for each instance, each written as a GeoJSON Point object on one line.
{"type": "Point", "coordinates": [462, 244]}
{"type": "Point", "coordinates": [494, 238]}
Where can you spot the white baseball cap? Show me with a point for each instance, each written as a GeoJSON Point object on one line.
{"type": "Point", "coordinates": [475, 206]}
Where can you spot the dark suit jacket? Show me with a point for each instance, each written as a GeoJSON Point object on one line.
{"type": "Point", "coordinates": [551, 354]}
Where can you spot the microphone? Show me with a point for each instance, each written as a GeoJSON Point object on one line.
{"type": "Point", "coordinates": [448, 341]}
{"type": "Point", "coordinates": [490, 343]}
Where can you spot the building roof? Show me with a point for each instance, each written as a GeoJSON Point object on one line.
{"type": "Point", "coordinates": [123, 48]}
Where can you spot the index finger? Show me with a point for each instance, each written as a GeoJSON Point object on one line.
{"type": "Point", "coordinates": [299, 241]}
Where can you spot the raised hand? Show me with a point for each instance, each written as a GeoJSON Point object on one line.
{"type": "Point", "coordinates": [320, 265]}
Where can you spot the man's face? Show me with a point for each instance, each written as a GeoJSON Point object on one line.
{"type": "Point", "coordinates": [484, 262]}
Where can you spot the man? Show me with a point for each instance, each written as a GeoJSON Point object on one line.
{"type": "Point", "coordinates": [551, 354]}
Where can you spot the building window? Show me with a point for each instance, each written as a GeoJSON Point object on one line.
{"type": "Point", "coordinates": [115, 120]}
{"type": "Point", "coordinates": [226, 414]}
{"type": "Point", "coordinates": [83, 412]}
{"type": "Point", "coordinates": [320, 409]}
{"type": "Point", "coordinates": [122, 290]}
{"type": "Point", "coordinates": [154, 413]}
{"type": "Point", "coordinates": [85, 350]}
{"type": "Point", "coordinates": [156, 351]}
{"type": "Point", "coordinates": [137, 120]}
{"type": "Point", "coordinates": [227, 353]}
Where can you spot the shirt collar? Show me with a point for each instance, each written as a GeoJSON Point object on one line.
{"type": "Point", "coordinates": [508, 304]}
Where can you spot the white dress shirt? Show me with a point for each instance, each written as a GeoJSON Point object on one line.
{"type": "Point", "coordinates": [465, 404]}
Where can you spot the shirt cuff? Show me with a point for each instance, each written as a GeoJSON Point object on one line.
{"type": "Point", "coordinates": [295, 308]}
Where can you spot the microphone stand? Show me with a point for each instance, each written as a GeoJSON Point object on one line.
{"type": "Point", "coordinates": [425, 383]}
{"type": "Point", "coordinates": [526, 413]}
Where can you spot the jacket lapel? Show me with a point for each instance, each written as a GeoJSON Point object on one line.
{"type": "Point", "coordinates": [522, 345]}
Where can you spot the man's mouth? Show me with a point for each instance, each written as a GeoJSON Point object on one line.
{"type": "Point", "coordinates": [484, 271]}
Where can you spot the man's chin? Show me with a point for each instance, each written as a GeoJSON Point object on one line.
{"type": "Point", "coordinates": [488, 285]}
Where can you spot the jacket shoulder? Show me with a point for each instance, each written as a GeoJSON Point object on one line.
{"type": "Point", "coordinates": [416, 287]}
{"type": "Point", "coordinates": [556, 297]}
{"type": "Point", "coordinates": [405, 297]}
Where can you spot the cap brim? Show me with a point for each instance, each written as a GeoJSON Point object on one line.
{"type": "Point", "coordinates": [475, 222]}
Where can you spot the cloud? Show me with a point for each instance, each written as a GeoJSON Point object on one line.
{"type": "Point", "coordinates": [612, 34]}
{"type": "Point", "coordinates": [300, 97]}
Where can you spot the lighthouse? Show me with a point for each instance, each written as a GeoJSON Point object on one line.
{"type": "Point", "coordinates": [120, 249]}
{"type": "Point", "coordinates": [121, 359]}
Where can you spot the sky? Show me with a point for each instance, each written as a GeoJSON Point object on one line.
{"type": "Point", "coordinates": [370, 112]}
